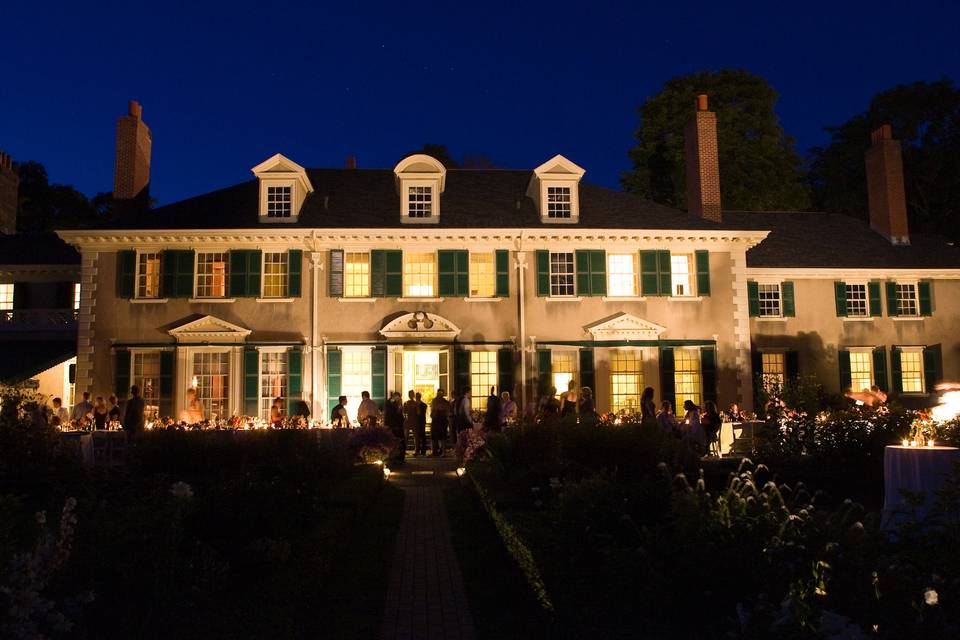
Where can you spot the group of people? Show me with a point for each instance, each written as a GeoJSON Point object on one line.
{"type": "Point", "coordinates": [100, 413]}
{"type": "Point", "coordinates": [570, 403]}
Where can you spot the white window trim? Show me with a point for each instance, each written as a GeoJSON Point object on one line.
{"type": "Point", "coordinates": [564, 299]}
{"type": "Point", "coordinates": [923, 379]}
{"type": "Point", "coordinates": [694, 295]}
{"type": "Point", "coordinates": [358, 299]}
{"type": "Point", "coordinates": [214, 300]}
{"type": "Point", "coordinates": [294, 198]}
{"type": "Point", "coordinates": [405, 184]}
{"type": "Point", "coordinates": [685, 298]}
{"type": "Point", "coordinates": [184, 375]}
{"type": "Point", "coordinates": [366, 252]}
{"type": "Point", "coordinates": [916, 298]}
{"type": "Point", "coordinates": [261, 299]}
{"type": "Point", "coordinates": [862, 318]}
{"type": "Point", "coordinates": [226, 277]}
{"type": "Point", "coordinates": [573, 296]}
{"type": "Point", "coordinates": [917, 318]}
{"type": "Point", "coordinates": [148, 300]}
{"type": "Point", "coordinates": [779, 284]}
{"type": "Point", "coordinates": [263, 276]}
{"type": "Point", "coordinates": [866, 288]}
{"type": "Point", "coordinates": [136, 275]}
{"type": "Point", "coordinates": [494, 299]}
{"type": "Point", "coordinates": [419, 299]}
{"type": "Point", "coordinates": [574, 186]}
{"type": "Point", "coordinates": [869, 352]}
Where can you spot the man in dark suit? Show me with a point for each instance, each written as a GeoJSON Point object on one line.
{"type": "Point", "coordinates": [420, 434]}
{"type": "Point", "coordinates": [133, 415]}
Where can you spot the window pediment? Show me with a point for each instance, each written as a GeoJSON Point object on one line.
{"type": "Point", "coordinates": [284, 186]}
{"type": "Point", "coordinates": [418, 325]}
{"type": "Point", "coordinates": [420, 181]}
{"type": "Point", "coordinates": [209, 328]}
{"type": "Point", "coordinates": [555, 187]}
{"type": "Point", "coordinates": [624, 326]}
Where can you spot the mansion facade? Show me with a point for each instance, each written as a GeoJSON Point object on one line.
{"type": "Point", "coordinates": [308, 284]}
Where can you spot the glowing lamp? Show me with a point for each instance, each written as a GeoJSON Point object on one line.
{"type": "Point", "coordinates": [930, 443]}
{"type": "Point", "coordinates": [905, 442]}
{"type": "Point", "coordinates": [386, 473]}
{"type": "Point", "coordinates": [378, 462]}
{"type": "Point", "coordinates": [461, 471]}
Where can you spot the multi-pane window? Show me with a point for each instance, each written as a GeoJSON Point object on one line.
{"type": "Point", "coordinates": [483, 275]}
{"type": "Point", "coordinates": [773, 371]}
{"type": "Point", "coordinates": [861, 370]}
{"type": "Point", "coordinates": [769, 297]}
{"type": "Point", "coordinates": [419, 274]}
{"type": "Point", "coordinates": [279, 202]}
{"type": "Point", "coordinates": [686, 377]}
{"type": "Point", "coordinates": [146, 375]}
{"type": "Point", "coordinates": [6, 297]}
{"type": "Point", "coordinates": [273, 380]}
{"type": "Point", "coordinates": [559, 202]}
{"type": "Point", "coordinates": [212, 274]}
{"type": "Point", "coordinates": [911, 369]}
{"type": "Point", "coordinates": [622, 274]}
{"type": "Point", "coordinates": [356, 371]}
{"type": "Point", "coordinates": [564, 365]}
{"type": "Point", "coordinates": [561, 274]}
{"type": "Point", "coordinates": [483, 375]}
{"type": "Point", "coordinates": [419, 201]}
{"type": "Point", "coordinates": [626, 381]}
{"type": "Point", "coordinates": [76, 296]}
{"type": "Point", "coordinates": [211, 371]}
{"type": "Point", "coordinates": [148, 274]}
{"type": "Point", "coordinates": [857, 300]}
{"type": "Point", "coordinates": [275, 274]}
{"type": "Point", "coordinates": [356, 275]}
{"type": "Point", "coordinates": [680, 284]}
{"type": "Point", "coordinates": [907, 299]}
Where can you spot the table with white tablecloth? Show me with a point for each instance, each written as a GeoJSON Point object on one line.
{"type": "Point", "coordinates": [917, 470]}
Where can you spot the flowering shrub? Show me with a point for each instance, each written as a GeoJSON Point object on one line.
{"type": "Point", "coordinates": [372, 444]}
{"type": "Point", "coordinates": [470, 443]}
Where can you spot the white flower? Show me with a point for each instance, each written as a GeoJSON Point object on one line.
{"type": "Point", "coordinates": [930, 597]}
{"type": "Point", "coordinates": [181, 490]}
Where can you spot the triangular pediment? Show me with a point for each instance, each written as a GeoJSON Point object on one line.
{"type": "Point", "coordinates": [280, 166]}
{"type": "Point", "coordinates": [418, 325]}
{"type": "Point", "coordinates": [209, 329]}
{"type": "Point", "coordinates": [559, 167]}
{"type": "Point", "coordinates": [624, 326]}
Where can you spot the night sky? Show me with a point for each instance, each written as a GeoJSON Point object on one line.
{"type": "Point", "coordinates": [224, 87]}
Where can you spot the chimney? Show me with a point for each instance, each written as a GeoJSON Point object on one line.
{"type": "Point", "coordinates": [132, 172]}
{"type": "Point", "coordinates": [703, 167]}
{"type": "Point", "coordinates": [9, 186]}
{"type": "Point", "coordinates": [351, 162]}
{"type": "Point", "coordinates": [885, 191]}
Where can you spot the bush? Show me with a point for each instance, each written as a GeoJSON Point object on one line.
{"type": "Point", "coordinates": [373, 444]}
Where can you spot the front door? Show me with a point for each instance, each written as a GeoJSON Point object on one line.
{"type": "Point", "coordinates": [423, 371]}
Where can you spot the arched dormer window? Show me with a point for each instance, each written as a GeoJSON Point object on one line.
{"type": "Point", "coordinates": [555, 187]}
{"type": "Point", "coordinates": [420, 181]}
{"type": "Point", "coordinates": [284, 186]}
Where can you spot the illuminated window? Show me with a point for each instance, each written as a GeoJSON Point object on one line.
{"type": "Point", "coordinates": [212, 275]}
{"type": "Point", "coordinates": [356, 275]}
{"type": "Point", "coordinates": [483, 275]}
{"type": "Point", "coordinates": [419, 274]}
{"type": "Point", "coordinates": [857, 300]}
{"type": "Point", "coordinates": [907, 299]}
{"type": "Point", "coordinates": [273, 380]}
{"type": "Point", "coordinates": [626, 381]}
{"type": "Point", "coordinates": [279, 202]}
{"type": "Point", "coordinates": [6, 297]}
{"type": "Point", "coordinates": [419, 201]}
{"type": "Point", "coordinates": [561, 274]}
{"type": "Point", "coordinates": [356, 371]}
{"type": "Point", "coordinates": [559, 202]}
{"type": "Point", "coordinates": [564, 365]}
{"type": "Point", "coordinates": [773, 371]}
{"type": "Point", "coordinates": [483, 375]}
{"type": "Point", "coordinates": [146, 375]}
{"type": "Point", "coordinates": [861, 370]}
{"type": "Point", "coordinates": [76, 296]}
{"type": "Point", "coordinates": [680, 275]}
{"type": "Point", "coordinates": [622, 274]}
{"type": "Point", "coordinates": [275, 274]}
{"type": "Point", "coordinates": [148, 274]}
{"type": "Point", "coordinates": [769, 296]}
{"type": "Point", "coordinates": [686, 377]}
{"type": "Point", "coordinates": [911, 368]}
{"type": "Point", "coordinates": [211, 370]}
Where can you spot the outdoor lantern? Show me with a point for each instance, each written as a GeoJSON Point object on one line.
{"type": "Point", "coordinates": [461, 471]}
{"type": "Point", "coordinates": [386, 473]}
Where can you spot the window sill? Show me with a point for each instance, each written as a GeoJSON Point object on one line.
{"type": "Point", "coordinates": [275, 299]}
{"type": "Point", "coordinates": [211, 300]}
{"type": "Point", "coordinates": [482, 299]}
{"type": "Point", "coordinates": [356, 299]}
{"type": "Point", "coordinates": [858, 318]}
{"type": "Point", "coordinates": [770, 318]}
{"type": "Point", "coordinates": [148, 300]}
{"type": "Point", "coordinates": [564, 299]}
{"type": "Point", "coordinates": [906, 318]}
{"type": "Point", "coordinates": [417, 299]}
{"type": "Point", "coordinates": [277, 219]}
{"type": "Point", "coordinates": [624, 298]}
{"type": "Point", "coordinates": [685, 298]}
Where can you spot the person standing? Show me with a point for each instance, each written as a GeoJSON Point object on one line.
{"type": "Point", "coordinates": [694, 430]}
{"type": "Point", "coordinates": [588, 413]}
{"type": "Point", "coordinates": [569, 403]}
{"type": "Point", "coordinates": [82, 408]}
{"type": "Point", "coordinates": [368, 412]}
{"type": "Point", "coordinates": [133, 416]}
{"type": "Point", "coordinates": [464, 411]}
{"type": "Point", "coordinates": [193, 414]}
{"type": "Point", "coordinates": [393, 418]}
{"type": "Point", "coordinates": [420, 435]}
{"type": "Point", "coordinates": [648, 410]}
{"type": "Point", "coordinates": [508, 409]}
{"type": "Point", "coordinates": [711, 422]}
{"type": "Point", "coordinates": [410, 419]}
{"type": "Point", "coordinates": [440, 419]}
{"type": "Point", "coordinates": [491, 418]}
{"type": "Point", "coordinates": [113, 409]}
{"type": "Point", "coordinates": [338, 417]}
{"type": "Point", "coordinates": [276, 413]}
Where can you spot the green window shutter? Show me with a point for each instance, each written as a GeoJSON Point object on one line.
{"type": "Point", "coordinates": [664, 273]}
{"type": "Point", "coordinates": [443, 369]}
{"type": "Point", "coordinates": [295, 273]}
{"type": "Point", "coordinates": [543, 272]}
{"type": "Point", "coordinates": [463, 273]}
{"type": "Point", "coordinates": [168, 274]}
{"type": "Point", "coordinates": [238, 273]}
{"type": "Point", "coordinates": [792, 365]}
{"type": "Point", "coordinates": [461, 370]}
{"type": "Point", "coordinates": [378, 376]}
{"type": "Point", "coordinates": [335, 274]}
{"type": "Point", "coordinates": [447, 272]}
{"type": "Point", "coordinates": [251, 382]}
{"type": "Point", "coordinates": [21, 295]}
{"type": "Point", "coordinates": [544, 371]}
{"type": "Point", "coordinates": [789, 304]}
{"type": "Point", "coordinates": [294, 378]}
{"type": "Point", "coordinates": [167, 359]}
{"type": "Point", "coordinates": [840, 294]}
{"type": "Point", "coordinates": [896, 370]}
{"type": "Point", "coordinates": [753, 298]}
{"type": "Point", "coordinates": [846, 380]}
{"type": "Point", "coordinates": [880, 368]}
{"type": "Point", "coordinates": [708, 372]}
{"type": "Point", "coordinates": [393, 274]}
{"type": "Point", "coordinates": [893, 309]}
{"type": "Point", "coordinates": [587, 375]}
{"type": "Point", "coordinates": [334, 363]}
{"type": "Point", "coordinates": [649, 283]}
{"type": "Point", "coordinates": [873, 295]}
{"type": "Point", "coordinates": [253, 274]}
{"type": "Point", "coordinates": [378, 273]}
{"type": "Point", "coordinates": [926, 301]}
{"type": "Point", "coordinates": [932, 367]}
{"type": "Point", "coordinates": [582, 262]}
{"type": "Point", "coordinates": [703, 272]}
{"type": "Point", "coordinates": [505, 370]}
{"type": "Point", "coordinates": [667, 382]}
{"type": "Point", "coordinates": [503, 273]}
{"type": "Point", "coordinates": [121, 374]}
{"type": "Point", "coordinates": [176, 274]}
{"type": "Point", "coordinates": [126, 273]}
{"type": "Point", "coordinates": [598, 272]}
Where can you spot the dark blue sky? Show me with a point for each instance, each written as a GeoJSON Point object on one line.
{"type": "Point", "coordinates": [225, 86]}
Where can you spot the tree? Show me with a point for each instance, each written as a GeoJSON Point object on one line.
{"type": "Point", "coordinates": [42, 206]}
{"type": "Point", "coordinates": [925, 117]}
{"type": "Point", "coordinates": [440, 152]}
{"type": "Point", "coordinates": [759, 168]}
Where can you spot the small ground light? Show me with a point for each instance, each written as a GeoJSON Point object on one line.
{"type": "Point", "coordinates": [461, 471]}
{"type": "Point", "coordinates": [386, 473]}
{"type": "Point", "coordinates": [379, 462]}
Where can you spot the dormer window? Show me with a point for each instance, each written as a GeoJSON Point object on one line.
{"type": "Point", "coordinates": [419, 201]}
{"type": "Point", "coordinates": [555, 188]}
{"type": "Point", "coordinates": [558, 202]}
{"type": "Point", "coordinates": [279, 201]}
{"type": "Point", "coordinates": [284, 186]}
{"type": "Point", "coordinates": [420, 181]}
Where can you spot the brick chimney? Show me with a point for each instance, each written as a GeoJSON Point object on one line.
{"type": "Point", "coordinates": [9, 186]}
{"type": "Point", "coordinates": [351, 162]}
{"type": "Point", "coordinates": [885, 191]}
{"type": "Point", "coordinates": [132, 171]}
{"type": "Point", "coordinates": [703, 167]}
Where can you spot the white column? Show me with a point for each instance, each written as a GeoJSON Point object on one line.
{"type": "Point", "coordinates": [741, 329]}
{"type": "Point", "coordinates": [316, 353]}
{"type": "Point", "coordinates": [521, 266]}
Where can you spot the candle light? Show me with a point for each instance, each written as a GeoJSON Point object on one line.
{"type": "Point", "coordinates": [930, 442]}
{"type": "Point", "coordinates": [905, 442]}
{"type": "Point", "coordinates": [913, 443]}
{"type": "Point", "coordinates": [386, 473]}
{"type": "Point", "coordinates": [461, 471]}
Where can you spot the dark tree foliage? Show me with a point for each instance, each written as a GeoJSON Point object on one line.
{"type": "Point", "coordinates": [42, 206]}
{"type": "Point", "coordinates": [925, 117]}
{"type": "Point", "coordinates": [759, 168]}
{"type": "Point", "coordinates": [438, 151]}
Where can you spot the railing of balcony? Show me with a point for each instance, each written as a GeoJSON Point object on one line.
{"type": "Point", "coordinates": [37, 319]}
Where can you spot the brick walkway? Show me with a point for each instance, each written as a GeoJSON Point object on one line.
{"type": "Point", "coordinates": [426, 597]}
